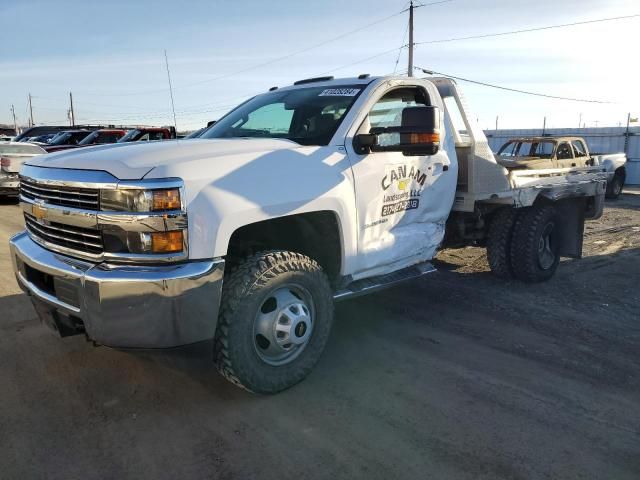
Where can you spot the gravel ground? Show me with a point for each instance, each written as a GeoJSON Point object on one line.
{"type": "Point", "coordinates": [458, 375]}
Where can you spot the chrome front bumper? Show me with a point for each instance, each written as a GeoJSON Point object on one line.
{"type": "Point", "coordinates": [121, 306]}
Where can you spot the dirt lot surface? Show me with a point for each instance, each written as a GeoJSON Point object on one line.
{"type": "Point", "coordinates": [458, 375]}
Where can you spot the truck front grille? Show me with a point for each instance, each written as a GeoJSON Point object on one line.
{"type": "Point", "coordinates": [84, 198]}
{"type": "Point", "coordinates": [85, 240]}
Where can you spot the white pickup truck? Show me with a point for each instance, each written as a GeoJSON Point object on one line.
{"type": "Point", "coordinates": [299, 197]}
{"type": "Point", "coordinates": [12, 156]}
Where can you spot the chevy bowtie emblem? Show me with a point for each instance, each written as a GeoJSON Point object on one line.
{"type": "Point", "coordinates": [39, 211]}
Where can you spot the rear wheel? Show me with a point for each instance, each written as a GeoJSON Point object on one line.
{"type": "Point", "coordinates": [499, 242]}
{"type": "Point", "coordinates": [535, 244]}
{"type": "Point", "coordinates": [614, 187]}
{"type": "Point", "coordinates": [275, 319]}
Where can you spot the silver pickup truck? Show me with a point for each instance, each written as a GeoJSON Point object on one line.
{"type": "Point", "coordinates": [562, 152]}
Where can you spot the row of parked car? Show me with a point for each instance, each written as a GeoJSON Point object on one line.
{"type": "Point", "coordinates": [46, 139]}
{"type": "Point", "coordinates": [53, 139]}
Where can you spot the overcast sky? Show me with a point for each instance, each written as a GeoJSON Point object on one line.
{"type": "Point", "coordinates": [110, 55]}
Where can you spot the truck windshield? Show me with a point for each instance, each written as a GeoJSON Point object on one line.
{"type": "Point", "coordinates": [308, 116]}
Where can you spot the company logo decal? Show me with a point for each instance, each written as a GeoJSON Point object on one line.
{"type": "Point", "coordinates": [402, 187]}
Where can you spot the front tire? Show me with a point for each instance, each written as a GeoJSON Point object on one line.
{"type": "Point", "coordinates": [275, 320]}
{"type": "Point", "coordinates": [535, 244]}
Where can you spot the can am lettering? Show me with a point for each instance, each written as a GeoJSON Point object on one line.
{"type": "Point", "coordinates": [400, 173]}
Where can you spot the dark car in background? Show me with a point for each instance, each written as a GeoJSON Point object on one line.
{"type": "Point", "coordinates": [100, 137]}
{"type": "Point", "coordinates": [65, 139]}
{"type": "Point", "coordinates": [145, 134]}
{"type": "Point", "coordinates": [40, 130]}
{"type": "Point", "coordinates": [97, 137]}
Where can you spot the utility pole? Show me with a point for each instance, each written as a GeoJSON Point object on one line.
{"type": "Point", "coordinates": [15, 124]}
{"type": "Point", "coordinates": [626, 134]}
{"type": "Point", "coordinates": [410, 69]}
{"type": "Point", "coordinates": [496, 122]}
{"type": "Point", "coordinates": [73, 115]}
{"type": "Point", "coordinates": [580, 120]}
{"type": "Point", "coordinates": [30, 112]}
{"type": "Point", "coordinates": [544, 126]}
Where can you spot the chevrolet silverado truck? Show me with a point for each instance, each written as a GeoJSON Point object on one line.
{"type": "Point", "coordinates": [302, 196]}
{"type": "Point", "coordinates": [557, 152]}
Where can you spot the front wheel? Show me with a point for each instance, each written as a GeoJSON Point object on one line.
{"type": "Point", "coordinates": [275, 319]}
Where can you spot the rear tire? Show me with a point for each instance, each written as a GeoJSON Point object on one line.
{"type": "Point", "coordinates": [499, 242]}
{"type": "Point", "coordinates": [535, 244]}
{"type": "Point", "coordinates": [275, 319]}
{"type": "Point", "coordinates": [614, 187]}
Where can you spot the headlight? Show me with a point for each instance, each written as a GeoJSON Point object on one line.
{"type": "Point", "coordinates": [134, 200]}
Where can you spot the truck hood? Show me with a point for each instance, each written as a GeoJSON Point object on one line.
{"type": "Point", "coordinates": [132, 161]}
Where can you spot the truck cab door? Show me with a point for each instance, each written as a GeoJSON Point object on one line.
{"type": "Point", "coordinates": [564, 155]}
{"type": "Point", "coordinates": [402, 201]}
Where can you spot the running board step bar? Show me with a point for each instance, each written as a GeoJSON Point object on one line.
{"type": "Point", "coordinates": [372, 284]}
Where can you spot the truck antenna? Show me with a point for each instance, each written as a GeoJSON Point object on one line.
{"type": "Point", "coordinates": [173, 108]}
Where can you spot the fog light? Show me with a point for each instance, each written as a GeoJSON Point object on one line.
{"type": "Point", "coordinates": [166, 242]}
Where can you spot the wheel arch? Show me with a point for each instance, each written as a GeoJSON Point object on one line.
{"type": "Point", "coordinates": [316, 234]}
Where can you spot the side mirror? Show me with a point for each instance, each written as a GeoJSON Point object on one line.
{"type": "Point", "coordinates": [419, 134]}
{"type": "Point", "coordinates": [364, 142]}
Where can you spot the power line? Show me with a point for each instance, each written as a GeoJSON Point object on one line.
{"type": "Point", "coordinates": [402, 45]}
{"type": "Point", "coordinates": [278, 59]}
{"type": "Point", "coordinates": [526, 30]}
{"type": "Point", "coordinates": [484, 84]}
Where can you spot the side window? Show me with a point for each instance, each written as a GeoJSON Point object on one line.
{"type": "Point", "coordinates": [156, 136]}
{"type": "Point", "coordinates": [387, 112]}
{"type": "Point", "coordinates": [564, 152]}
{"type": "Point", "coordinates": [509, 150]}
{"type": "Point", "coordinates": [579, 149]}
{"type": "Point", "coordinates": [144, 138]}
{"type": "Point", "coordinates": [542, 150]}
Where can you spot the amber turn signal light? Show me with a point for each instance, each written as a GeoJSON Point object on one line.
{"type": "Point", "coordinates": [424, 138]}
{"type": "Point", "coordinates": [166, 242]}
{"type": "Point", "coordinates": [166, 199]}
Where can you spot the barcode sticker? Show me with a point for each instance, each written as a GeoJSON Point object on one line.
{"type": "Point", "coordinates": [339, 92]}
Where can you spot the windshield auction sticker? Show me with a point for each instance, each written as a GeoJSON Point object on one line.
{"type": "Point", "coordinates": [339, 92]}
